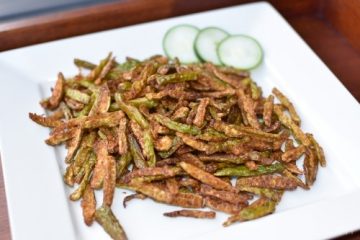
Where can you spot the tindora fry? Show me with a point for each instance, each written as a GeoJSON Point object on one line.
{"type": "Point", "coordinates": [227, 158]}
{"type": "Point", "coordinates": [268, 181]}
{"type": "Point", "coordinates": [178, 134]}
{"type": "Point", "coordinates": [223, 206]}
{"type": "Point", "coordinates": [272, 194]}
{"type": "Point", "coordinates": [106, 218]}
{"type": "Point", "coordinates": [191, 213]}
{"type": "Point", "coordinates": [268, 109]}
{"type": "Point", "coordinates": [73, 145]}
{"type": "Point", "coordinates": [102, 102]}
{"type": "Point", "coordinates": [287, 122]}
{"type": "Point", "coordinates": [136, 153]}
{"type": "Point", "coordinates": [290, 107]}
{"type": "Point", "coordinates": [133, 196]}
{"type": "Point", "coordinates": [45, 121]}
{"type": "Point", "coordinates": [257, 209]}
{"type": "Point", "coordinates": [293, 154]}
{"type": "Point", "coordinates": [101, 163]}
{"type": "Point", "coordinates": [151, 171]}
{"type": "Point", "coordinates": [248, 104]}
{"type": "Point", "coordinates": [57, 94]}
{"type": "Point", "coordinates": [310, 167]}
{"type": "Point", "coordinates": [109, 181]}
{"type": "Point", "coordinates": [163, 143]}
{"type": "Point", "coordinates": [123, 163]}
{"type": "Point", "coordinates": [318, 150]}
{"type": "Point", "coordinates": [94, 74]}
{"type": "Point", "coordinates": [187, 200]}
{"type": "Point", "coordinates": [172, 185]}
{"type": "Point", "coordinates": [88, 168]}
{"type": "Point", "coordinates": [201, 111]}
{"type": "Point", "coordinates": [80, 63]}
{"type": "Point", "coordinates": [88, 204]}
{"type": "Point", "coordinates": [243, 171]}
{"type": "Point", "coordinates": [176, 126]}
{"type": "Point", "coordinates": [224, 195]}
{"type": "Point", "coordinates": [122, 130]}
{"type": "Point", "coordinates": [205, 177]}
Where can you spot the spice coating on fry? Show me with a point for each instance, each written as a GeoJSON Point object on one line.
{"type": "Point", "coordinates": [179, 135]}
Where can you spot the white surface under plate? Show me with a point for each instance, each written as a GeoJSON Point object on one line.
{"type": "Point", "coordinates": [38, 200]}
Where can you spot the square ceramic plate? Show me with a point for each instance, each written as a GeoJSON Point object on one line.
{"type": "Point", "coordinates": [38, 200]}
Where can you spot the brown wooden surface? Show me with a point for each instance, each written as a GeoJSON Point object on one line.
{"type": "Point", "coordinates": [344, 15]}
{"type": "Point", "coordinates": [335, 40]}
{"type": "Point", "coordinates": [95, 18]}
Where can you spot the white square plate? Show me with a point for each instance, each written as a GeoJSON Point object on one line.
{"type": "Point", "coordinates": [38, 200]}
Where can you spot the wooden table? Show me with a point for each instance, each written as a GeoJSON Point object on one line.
{"type": "Point", "coordinates": [330, 27]}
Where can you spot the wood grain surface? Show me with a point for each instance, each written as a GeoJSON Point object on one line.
{"type": "Point", "coordinates": [330, 28]}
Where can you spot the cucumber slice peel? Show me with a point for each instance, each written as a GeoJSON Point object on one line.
{"type": "Point", "coordinates": [206, 44]}
{"type": "Point", "coordinates": [179, 42]}
{"type": "Point", "coordinates": [240, 51]}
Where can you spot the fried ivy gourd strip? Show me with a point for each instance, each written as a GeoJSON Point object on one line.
{"type": "Point", "coordinates": [177, 134]}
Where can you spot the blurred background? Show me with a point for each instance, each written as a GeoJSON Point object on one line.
{"type": "Point", "coordinates": [18, 9]}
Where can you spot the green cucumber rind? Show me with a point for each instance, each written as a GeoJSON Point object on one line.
{"type": "Point", "coordinates": [169, 31]}
{"type": "Point", "coordinates": [246, 36]}
{"type": "Point", "coordinates": [197, 37]}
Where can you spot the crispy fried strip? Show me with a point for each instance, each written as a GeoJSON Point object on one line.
{"type": "Point", "coordinates": [102, 102]}
{"type": "Point", "coordinates": [73, 145]}
{"type": "Point", "coordinates": [176, 126]}
{"type": "Point", "coordinates": [268, 109]}
{"type": "Point", "coordinates": [163, 143]}
{"type": "Point", "coordinates": [106, 218]}
{"type": "Point", "coordinates": [152, 191]}
{"type": "Point", "coordinates": [244, 171]}
{"type": "Point", "coordinates": [310, 167]}
{"type": "Point", "coordinates": [293, 154]}
{"type": "Point", "coordinates": [151, 171]}
{"type": "Point", "coordinates": [223, 206]}
{"type": "Point", "coordinates": [136, 153]}
{"type": "Point", "coordinates": [191, 213]}
{"type": "Point", "coordinates": [259, 208]}
{"type": "Point", "coordinates": [227, 158]}
{"type": "Point", "coordinates": [272, 194]}
{"type": "Point", "coordinates": [101, 164]}
{"type": "Point", "coordinates": [122, 164]}
{"type": "Point", "coordinates": [133, 196]}
{"type": "Point", "coordinates": [224, 195]}
{"type": "Point", "coordinates": [288, 174]}
{"type": "Point", "coordinates": [206, 178]}
{"type": "Point", "coordinates": [249, 107]}
{"type": "Point", "coordinates": [57, 94]}
{"type": "Point", "coordinates": [192, 159]}
{"type": "Point", "coordinates": [77, 194]}
{"type": "Point", "coordinates": [88, 205]}
{"type": "Point", "coordinates": [109, 181]}
{"type": "Point", "coordinates": [45, 121]}
{"type": "Point", "coordinates": [140, 83]}
{"type": "Point", "coordinates": [287, 122]}
{"type": "Point", "coordinates": [290, 107]}
{"type": "Point", "coordinates": [201, 111]}
{"type": "Point", "coordinates": [268, 181]}
{"type": "Point", "coordinates": [123, 144]}
{"type": "Point", "coordinates": [172, 185]}
{"type": "Point", "coordinates": [187, 200]}
{"type": "Point", "coordinates": [59, 137]}
{"type": "Point", "coordinates": [318, 150]}
{"type": "Point", "coordinates": [291, 167]}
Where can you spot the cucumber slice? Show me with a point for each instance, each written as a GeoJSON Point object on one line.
{"type": "Point", "coordinates": [240, 51]}
{"type": "Point", "coordinates": [179, 42]}
{"type": "Point", "coordinates": [206, 43]}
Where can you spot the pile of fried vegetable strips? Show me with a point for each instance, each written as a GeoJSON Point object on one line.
{"type": "Point", "coordinates": [178, 134]}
